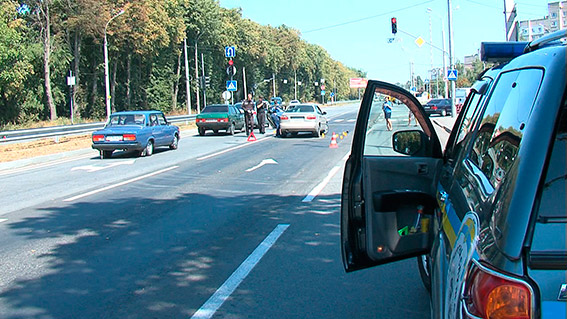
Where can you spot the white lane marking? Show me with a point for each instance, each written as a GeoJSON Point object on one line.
{"type": "Point", "coordinates": [2, 220]}
{"type": "Point", "coordinates": [327, 179]}
{"type": "Point", "coordinates": [230, 149]}
{"type": "Point", "coordinates": [211, 306]}
{"type": "Point", "coordinates": [70, 199]}
{"type": "Point", "coordinates": [44, 165]}
{"type": "Point", "coordinates": [351, 120]}
{"type": "Point", "coordinates": [264, 162]}
{"type": "Point", "coordinates": [339, 120]}
{"type": "Point", "coordinates": [95, 168]}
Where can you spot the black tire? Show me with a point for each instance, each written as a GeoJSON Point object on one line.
{"type": "Point", "coordinates": [294, 134]}
{"type": "Point", "coordinates": [105, 154]}
{"type": "Point", "coordinates": [149, 150]}
{"type": "Point", "coordinates": [201, 131]}
{"type": "Point", "coordinates": [230, 129]}
{"type": "Point", "coordinates": [424, 266]}
{"type": "Point", "coordinates": [175, 142]}
{"type": "Point", "coordinates": [317, 133]}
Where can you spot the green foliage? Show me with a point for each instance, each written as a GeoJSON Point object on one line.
{"type": "Point", "coordinates": [144, 45]}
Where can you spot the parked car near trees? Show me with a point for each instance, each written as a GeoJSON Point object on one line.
{"type": "Point", "coordinates": [140, 131]}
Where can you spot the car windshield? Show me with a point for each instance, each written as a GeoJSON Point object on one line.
{"type": "Point", "coordinates": [435, 101]}
{"type": "Point", "coordinates": [127, 119]}
{"type": "Point", "coordinates": [216, 109]}
{"type": "Point", "coordinates": [302, 108]}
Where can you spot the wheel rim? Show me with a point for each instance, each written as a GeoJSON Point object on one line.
{"type": "Point", "coordinates": [149, 148]}
{"type": "Point", "coordinates": [175, 141]}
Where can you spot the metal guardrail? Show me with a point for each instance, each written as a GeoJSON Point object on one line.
{"type": "Point", "coordinates": [65, 130]}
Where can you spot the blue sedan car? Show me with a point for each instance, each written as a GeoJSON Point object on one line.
{"type": "Point", "coordinates": [140, 131]}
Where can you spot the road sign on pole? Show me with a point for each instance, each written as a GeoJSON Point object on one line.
{"type": "Point", "coordinates": [229, 52]}
{"type": "Point", "coordinates": [452, 75]}
{"type": "Point", "coordinates": [231, 70]}
{"type": "Point", "coordinates": [226, 95]}
{"type": "Point", "coordinates": [231, 85]}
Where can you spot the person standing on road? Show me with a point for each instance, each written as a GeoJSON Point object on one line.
{"type": "Point", "coordinates": [261, 114]}
{"type": "Point", "coordinates": [276, 112]}
{"type": "Point", "coordinates": [248, 107]}
{"type": "Point", "coordinates": [388, 113]}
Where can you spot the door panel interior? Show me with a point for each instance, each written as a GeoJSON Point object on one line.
{"type": "Point", "coordinates": [402, 203]}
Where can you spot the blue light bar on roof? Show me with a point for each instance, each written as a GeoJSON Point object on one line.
{"type": "Point", "coordinates": [501, 51]}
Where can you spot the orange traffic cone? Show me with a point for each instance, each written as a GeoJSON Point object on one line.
{"type": "Point", "coordinates": [251, 137]}
{"type": "Point", "coordinates": [334, 141]}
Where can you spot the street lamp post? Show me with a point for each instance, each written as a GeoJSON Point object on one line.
{"type": "Point", "coordinates": [106, 77]}
{"type": "Point", "coordinates": [430, 11]}
{"type": "Point", "coordinates": [451, 55]}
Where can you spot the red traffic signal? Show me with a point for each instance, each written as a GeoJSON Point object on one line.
{"type": "Point", "coordinates": [394, 25]}
{"type": "Point", "coordinates": [230, 62]}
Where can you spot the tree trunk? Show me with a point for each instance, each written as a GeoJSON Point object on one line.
{"type": "Point", "coordinates": [176, 83]}
{"type": "Point", "coordinates": [128, 79]}
{"type": "Point", "coordinates": [94, 92]}
{"type": "Point", "coordinates": [113, 86]}
{"type": "Point", "coordinates": [46, 59]}
{"type": "Point", "coordinates": [77, 105]}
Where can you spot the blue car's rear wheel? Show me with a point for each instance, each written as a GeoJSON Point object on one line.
{"type": "Point", "coordinates": [149, 150]}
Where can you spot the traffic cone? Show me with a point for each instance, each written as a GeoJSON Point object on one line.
{"type": "Point", "coordinates": [252, 137]}
{"type": "Point", "coordinates": [334, 142]}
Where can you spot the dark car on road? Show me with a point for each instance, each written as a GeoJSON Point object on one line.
{"type": "Point", "coordinates": [486, 217]}
{"type": "Point", "coordinates": [438, 106]}
{"type": "Point", "coordinates": [140, 131]}
{"type": "Point", "coordinates": [220, 117]}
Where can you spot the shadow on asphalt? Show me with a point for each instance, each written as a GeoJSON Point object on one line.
{"type": "Point", "coordinates": [145, 258]}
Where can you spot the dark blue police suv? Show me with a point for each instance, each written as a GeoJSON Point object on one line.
{"type": "Point", "coordinates": [486, 217]}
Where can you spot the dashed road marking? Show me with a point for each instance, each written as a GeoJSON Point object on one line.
{"type": "Point", "coordinates": [324, 183]}
{"type": "Point", "coordinates": [2, 220]}
{"type": "Point", "coordinates": [339, 120]}
{"type": "Point", "coordinates": [96, 191]}
{"type": "Point", "coordinates": [211, 306]}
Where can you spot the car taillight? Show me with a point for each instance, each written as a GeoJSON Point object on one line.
{"type": "Point", "coordinates": [284, 117]}
{"type": "Point", "coordinates": [199, 120]}
{"type": "Point", "coordinates": [434, 107]}
{"type": "Point", "coordinates": [222, 120]}
{"type": "Point", "coordinates": [496, 296]}
{"type": "Point", "coordinates": [311, 117]}
{"type": "Point", "coordinates": [98, 138]}
{"type": "Point", "coordinates": [129, 137]}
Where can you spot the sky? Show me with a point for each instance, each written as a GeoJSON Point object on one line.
{"type": "Point", "coordinates": [356, 33]}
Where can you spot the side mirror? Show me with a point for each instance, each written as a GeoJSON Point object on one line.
{"type": "Point", "coordinates": [324, 113]}
{"type": "Point", "coordinates": [410, 143]}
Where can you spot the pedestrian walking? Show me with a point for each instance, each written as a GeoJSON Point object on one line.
{"type": "Point", "coordinates": [248, 107]}
{"type": "Point", "coordinates": [388, 113]}
{"type": "Point", "coordinates": [261, 109]}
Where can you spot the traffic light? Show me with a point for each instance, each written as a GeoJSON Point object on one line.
{"type": "Point", "coordinates": [394, 26]}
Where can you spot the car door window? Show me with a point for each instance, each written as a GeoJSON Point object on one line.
{"type": "Point", "coordinates": [378, 136]}
{"type": "Point", "coordinates": [161, 119]}
{"type": "Point", "coordinates": [153, 120]}
{"type": "Point", "coordinates": [506, 115]}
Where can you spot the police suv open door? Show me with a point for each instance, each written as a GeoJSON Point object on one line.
{"type": "Point", "coordinates": [389, 183]}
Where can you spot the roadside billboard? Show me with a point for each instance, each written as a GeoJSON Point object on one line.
{"type": "Point", "coordinates": [358, 83]}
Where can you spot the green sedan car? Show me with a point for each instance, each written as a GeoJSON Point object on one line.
{"type": "Point", "coordinates": [220, 117]}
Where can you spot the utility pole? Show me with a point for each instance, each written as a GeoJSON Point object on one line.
{"type": "Point", "coordinates": [274, 83]}
{"type": "Point", "coordinates": [197, 75]}
{"type": "Point", "coordinates": [451, 57]}
{"type": "Point", "coordinates": [203, 82]}
{"type": "Point", "coordinates": [187, 83]}
{"type": "Point", "coordinates": [295, 82]}
{"type": "Point", "coordinates": [244, 79]}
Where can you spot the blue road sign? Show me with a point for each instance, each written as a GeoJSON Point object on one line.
{"type": "Point", "coordinates": [452, 75]}
{"type": "Point", "coordinates": [322, 92]}
{"type": "Point", "coordinates": [229, 52]}
{"type": "Point", "coordinates": [231, 86]}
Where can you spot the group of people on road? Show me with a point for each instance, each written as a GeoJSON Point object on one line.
{"type": "Point", "coordinates": [262, 109]}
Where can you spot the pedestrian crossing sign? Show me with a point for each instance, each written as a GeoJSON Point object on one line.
{"type": "Point", "coordinates": [452, 75]}
{"type": "Point", "coordinates": [231, 86]}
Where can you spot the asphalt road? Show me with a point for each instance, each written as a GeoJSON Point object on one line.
{"type": "Point", "coordinates": [220, 227]}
